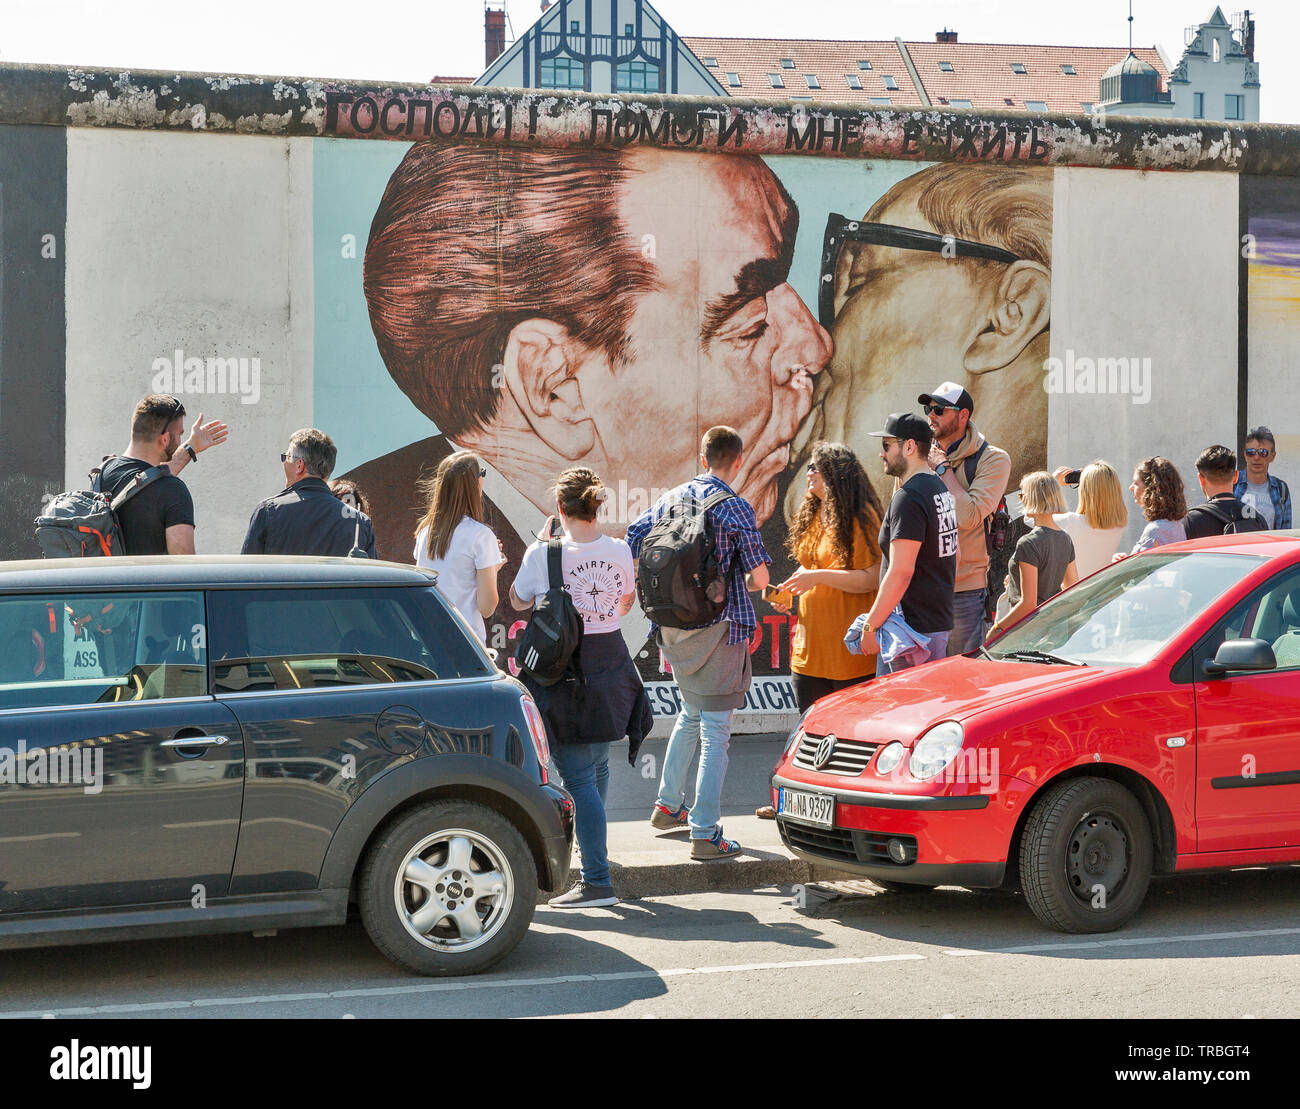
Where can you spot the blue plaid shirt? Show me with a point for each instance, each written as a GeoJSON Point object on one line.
{"type": "Point", "coordinates": [735, 529]}
{"type": "Point", "coordinates": [1278, 493]}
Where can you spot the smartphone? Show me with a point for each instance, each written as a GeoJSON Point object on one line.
{"type": "Point", "coordinates": [1072, 478]}
{"type": "Point", "coordinates": [778, 596]}
{"type": "Point", "coordinates": [557, 529]}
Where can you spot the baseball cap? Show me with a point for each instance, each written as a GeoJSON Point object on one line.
{"type": "Point", "coordinates": [951, 394]}
{"type": "Point", "coordinates": [905, 425]}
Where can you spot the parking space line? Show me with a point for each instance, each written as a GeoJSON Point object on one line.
{"type": "Point", "coordinates": [1126, 941]}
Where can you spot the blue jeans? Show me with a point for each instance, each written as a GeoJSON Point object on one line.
{"type": "Point", "coordinates": [711, 732]}
{"type": "Point", "coordinates": [967, 622]}
{"type": "Point", "coordinates": [938, 649]}
{"type": "Point", "coordinates": [584, 769]}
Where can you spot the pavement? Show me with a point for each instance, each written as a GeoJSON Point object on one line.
{"type": "Point", "coordinates": [647, 863]}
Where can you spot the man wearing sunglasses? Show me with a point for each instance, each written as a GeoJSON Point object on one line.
{"type": "Point", "coordinates": [159, 519]}
{"type": "Point", "coordinates": [949, 271]}
{"type": "Point", "coordinates": [1266, 494]}
{"type": "Point", "coordinates": [976, 473]}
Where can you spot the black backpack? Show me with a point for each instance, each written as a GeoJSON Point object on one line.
{"type": "Point", "coordinates": [997, 525]}
{"type": "Point", "coordinates": [679, 580]}
{"type": "Point", "coordinates": [550, 645]}
{"type": "Point", "coordinates": [83, 523]}
{"type": "Point", "coordinates": [1248, 521]}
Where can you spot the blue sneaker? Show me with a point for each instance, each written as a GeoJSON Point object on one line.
{"type": "Point", "coordinates": [705, 850]}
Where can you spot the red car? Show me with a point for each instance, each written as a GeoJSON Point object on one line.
{"type": "Point", "coordinates": [1145, 721]}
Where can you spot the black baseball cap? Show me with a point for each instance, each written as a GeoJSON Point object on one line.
{"type": "Point", "coordinates": [906, 425]}
{"type": "Point", "coordinates": [950, 394]}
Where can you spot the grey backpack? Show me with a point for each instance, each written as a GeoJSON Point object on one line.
{"type": "Point", "coordinates": [83, 523]}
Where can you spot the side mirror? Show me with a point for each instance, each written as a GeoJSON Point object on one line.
{"type": "Point", "coordinates": [1240, 654]}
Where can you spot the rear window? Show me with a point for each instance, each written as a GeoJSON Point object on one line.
{"type": "Point", "coordinates": [299, 639]}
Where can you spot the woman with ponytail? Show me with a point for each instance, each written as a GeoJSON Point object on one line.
{"type": "Point", "coordinates": [584, 718]}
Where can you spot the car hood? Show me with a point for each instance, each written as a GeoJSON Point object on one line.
{"type": "Point", "coordinates": [902, 706]}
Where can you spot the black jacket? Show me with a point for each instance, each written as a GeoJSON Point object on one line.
{"type": "Point", "coordinates": [307, 519]}
{"type": "Point", "coordinates": [1210, 518]}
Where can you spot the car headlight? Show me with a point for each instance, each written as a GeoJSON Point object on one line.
{"type": "Point", "coordinates": [889, 758]}
{"type": "Point", "coordinates": [935, 750]}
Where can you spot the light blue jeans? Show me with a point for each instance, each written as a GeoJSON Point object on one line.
{"type": "Point", "coordinates": [711, 732]}
{"type": "Point", "coordinates": [967, 622]}
{"type": "Point", "coordinates": [584, 770]}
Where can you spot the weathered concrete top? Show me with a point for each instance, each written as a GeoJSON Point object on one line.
{"type": "Point", "coordinates": [72, 97]}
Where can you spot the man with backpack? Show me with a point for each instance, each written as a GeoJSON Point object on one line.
{"type": "Point", "coordinates": [699, 555]}
{"type": "Point", "coordinates": [1222, 513]}
{"type": "Point", "coordinates": [976, 474]}
{"type": "Point", "coordinates": [159, 519]}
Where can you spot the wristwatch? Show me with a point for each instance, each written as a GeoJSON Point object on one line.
{"type": "Point", "coordinates": [190, 451]}
{"type": "Point", "coordinates": [942, 468]}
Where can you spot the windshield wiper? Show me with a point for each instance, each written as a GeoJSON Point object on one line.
{"type": "Point", "coordinates": [1042, 656]}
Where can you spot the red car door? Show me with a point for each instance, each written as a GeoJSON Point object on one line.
{"type": "Point", "coordinates": [1248, 729]}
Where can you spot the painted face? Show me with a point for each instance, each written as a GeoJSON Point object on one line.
{"type": "Point", "coordinates": [723, 340]}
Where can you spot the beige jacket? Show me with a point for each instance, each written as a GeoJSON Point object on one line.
{"type": "Point", "coordinates": [975, 504]}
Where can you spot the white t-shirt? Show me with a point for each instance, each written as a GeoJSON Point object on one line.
{"type": "Point", "coordinates": [1259, 498]}
{"type": "Point", "coordinates": [473, 547]}
{"type": "Point", "coordinates": [1093, 548]}
{"type": "Point", "coordinates": [597, 575]}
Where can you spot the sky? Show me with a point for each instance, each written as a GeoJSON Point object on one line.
{"type": "Point", "coordinates": [411, 41]}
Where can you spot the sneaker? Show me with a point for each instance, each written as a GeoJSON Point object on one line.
{"type": "Point", "coordinates": [703, 850]}
{"type": "Point", "coordinates": [664, 820]}
{"type": "Point", "coordinates": [583, 896]}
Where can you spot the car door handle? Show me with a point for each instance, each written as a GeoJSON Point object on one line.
{"type": "Point", "coordinates": [197, 741]}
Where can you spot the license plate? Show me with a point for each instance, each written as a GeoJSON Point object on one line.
{"type": "Point", "coordinates": [811, 808]}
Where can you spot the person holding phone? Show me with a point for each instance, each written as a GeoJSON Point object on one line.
{"type": "Point", "coordinates": [1098, 525]}
{"type": "Point", "coordinates": [1044, 561]}
{"type": "Point", "coordinates": [833, 538]}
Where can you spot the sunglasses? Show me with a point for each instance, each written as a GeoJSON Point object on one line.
{"type": "Point", "coordinates": [179, 410]}
{"type": "Point", "coordinates": [285, 456]}
{"type": "Point", "coordinates": [840, 230]}
{"type": "Point", "coordinates": [812, 467]}
{"type": "Point", "coordinates": [1257, 452]}
{"type": "Point", "coordinates": [482, 471]}
{"type": "Point", "coordinates": [937, 409]}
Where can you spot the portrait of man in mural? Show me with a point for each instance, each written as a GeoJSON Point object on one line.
{"type": "Point", "coordinates": [547, 308]}
{"type": "Point", "coordinates": [948, 276]}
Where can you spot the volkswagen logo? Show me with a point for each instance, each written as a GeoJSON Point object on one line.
{"type": "Point", "coordinates": [825, 749]}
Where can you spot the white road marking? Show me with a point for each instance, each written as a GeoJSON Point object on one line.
{"type": "Point", "coordinates": [1128, 941]}
{"type": "Point", "coordinates": [446, 987]}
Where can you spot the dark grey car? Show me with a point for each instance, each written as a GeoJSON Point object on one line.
{"type": "Point", "coordinates": [196, 745]}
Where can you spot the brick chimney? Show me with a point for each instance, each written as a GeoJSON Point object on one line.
{"type": "Point", "coordinates": [494, 35]}
{"type": "Point", "coordinates": [945, 36]}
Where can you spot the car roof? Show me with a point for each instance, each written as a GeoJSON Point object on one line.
{"type": "Point", "coordinates": [1267, 544]}
{"type": "Point", "coordinates": [199, 571]}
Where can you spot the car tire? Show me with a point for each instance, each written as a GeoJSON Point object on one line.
{"type": "Point", "coordinates": [1086, 856]}
{"type": "Point", "coordinates": [417, 892]}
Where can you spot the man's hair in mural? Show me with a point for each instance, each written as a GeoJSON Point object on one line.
{"type": "Point", "coordinates": [1160, 489]}
{"type": "Point", "coordinates": [468, 241]}
{"type": "Point", "coordinates": [1006, 206]}
{"type": "Point", "coordinates": [153, 415]}
{"type": "Point", "coordinates": [850, 501]}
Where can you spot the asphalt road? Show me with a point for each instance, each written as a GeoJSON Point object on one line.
{"type": "Point", "coordinates": [1222, 946]}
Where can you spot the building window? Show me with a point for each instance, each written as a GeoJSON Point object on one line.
{"type": "Point", "coordinates": [793, 97]}
{"type": "Point", "coordinates": [945, 67]}
{"type": "Point", "coordinates": [1198, 105]}
{"type": "Point", "coordinates": [960, 103]}
{"type": "Point", "coordinates": [712, 62]}
{"type": "Point", "coordinates": [854, 81]}
{"type": "Point", "coordinates": [811, 80]}
{"type": "Point", "coordinates": [787, 63]}
{"type": "Point", "coordinates": [573, 27]}
{"type": "Point", "coordinates": [890, 83]}
{"type": "Point", "coordinates": [775, 78]}
{"type": "Point", "coordinates": [1036, 105]}
{"type": "Point", "coordinates": [1068, 70]}
{"type": "Point", "coordinates": [1233, 107]}
{"type": "Point", "coordinates": [733, 80]}
{"type": "Point", "coordinates": [881, 100]}
{"type": "Point", "coordinates": [1017, 67]}
{"type": "Point", "coordinates": [1216, 48]}
{"type": "Point", "coordinates": [629, 30]}
{"type": "Point", "coordinates": [637, 77]}
{"type": "Point", "coordinates": [563, 73]}
{"type": "Point", "coordinates": [863, 64]}
{"type": "Point", "coordinates": [1087, 107]}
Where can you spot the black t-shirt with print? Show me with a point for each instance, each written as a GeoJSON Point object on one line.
{"type": "Point", "coordinates": [146, 517]}
{"type": "Point", "coordinates": [923, 511]}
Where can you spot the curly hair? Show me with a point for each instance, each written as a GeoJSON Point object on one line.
{"type": "Point", "coordinates": [850, 499]}
{"type": "Point", "coordinates": [1160, 495]}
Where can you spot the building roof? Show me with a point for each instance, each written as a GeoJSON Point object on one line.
{"type": "Point", "coordinates": [980, 72]}
{"type": "Point", "coordinates": [453, 80]}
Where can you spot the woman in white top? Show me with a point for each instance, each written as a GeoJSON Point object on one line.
{"type": "Point", "coordinates": [452, 539]}
{"type": "Point", "coordinates": [1098, 526]}
{"type": "Point", "coordinates": [584, 717]}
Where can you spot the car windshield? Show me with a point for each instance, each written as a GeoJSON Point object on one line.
{"type": "Point", "coordinates": [1126, 613]}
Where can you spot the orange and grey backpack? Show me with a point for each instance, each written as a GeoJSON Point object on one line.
{"type": "Point", "coordinates": [83, 523]}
